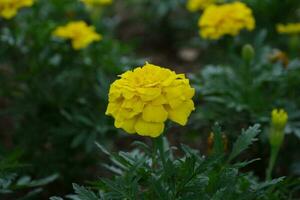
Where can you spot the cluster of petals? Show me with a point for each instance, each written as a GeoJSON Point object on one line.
{"type": "Point", "coordinates": [225, 19]}
{"type": "Point", "coordinates": [290, 28]}
{"type": "Point", "coordinates": [195, 5]}
{"type": "Point", "coordinates": [79, 33]}
{"type": "Point", "coordinates": [10, 8]}
{"type": "Point", "coordinates": [143, 99]}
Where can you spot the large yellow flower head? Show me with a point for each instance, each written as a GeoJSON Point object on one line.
{"type": "Point", "coordinates": [93, 3]}
{"type": "Point", "coordinates": [290, 28]}
{"type": "Point", "coordinates": [195, 5]}
{"type": "Point", "coordinates": [143, 99]}
{"type": "Point", "coordinates": [79, 32]}
{"type": "Point", "coordinates": [226, 19]}
{"type": "Point", "coordinates": [9, 8]}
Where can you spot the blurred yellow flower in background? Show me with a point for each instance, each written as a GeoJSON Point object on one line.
{"type": "Point", "coordinates": [195, 5]}
{"type": "Point", "coordinates": [143, 99]}
{"type": "Point", "coordinates": [96, 2]}
{"type": "Point", "coordinates": [290, 28]}
{"type": "Point", "coordinates": [226, 19]}
{"type": "Point", "coordinates": [79, 32]}
{"type": "Point", "coordinates": [9, 8]}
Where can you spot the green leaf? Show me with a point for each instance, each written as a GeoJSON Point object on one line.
{"type": "Point", "coordinates": [43, 181]}
{"type": "Point", "coordinates": [218, 147]}
{"type": "Point", "coordinates": [267, 184]}
{"type": "Point", "coordinates": [23, 181]}
{"type": "Point", "coordinates": [244, 140]}
{"type": "Point", "coordinates": [142, 146]}
{"type": "Point", "coordinates": [56, 198]}
{"type": "Point", "coordinates": [245, 163]}
{"type": "Point", "coordinates": [103, 149]}
{"type": "Point", "coordinates": [83, 193]}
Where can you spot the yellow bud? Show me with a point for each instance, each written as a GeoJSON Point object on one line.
{"type": "Point", "coordinates": [279, 118]}
{"type": "Point", "coordinates": [278, 123]}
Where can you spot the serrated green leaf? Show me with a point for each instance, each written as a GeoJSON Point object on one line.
{"type": "Point", "coordinates": [43, 181]}
{"type": "Point", "coordinates": [218, 146]}
{"type": "Point", "coordinates": [83, 193]}
{"type": "Point", "coordinates": [244, 140]}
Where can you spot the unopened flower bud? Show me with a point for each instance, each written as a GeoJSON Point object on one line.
{"type": "Point", "coordinates": [278, 124]}
{"type": "Point", "coordinates": [211, 140]}
{"type": "Point", "coordinates": [248, 52]}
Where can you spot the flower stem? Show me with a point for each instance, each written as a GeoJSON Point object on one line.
{"type": "Point", "coordinates": [158, 145]}
{"type": "Point", "coordinates": [274, 154]}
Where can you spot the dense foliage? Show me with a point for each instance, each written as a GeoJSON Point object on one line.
{"type": "Point", "coordinates": [159, 173]}
{"type": "Point", "coordinates": [192, 62]}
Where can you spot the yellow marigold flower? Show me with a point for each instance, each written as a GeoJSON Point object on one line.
{"type": "Point", "coordinates": [79, 32]}
{"type": "Point", "coordinates": [9, 8]}
{"type": "Point", "coordinates": [195, 5]}
{"type": "Point", "coordinates": [290, 28]}
{"type": "Point", "coordinates": [96, 2]}
{"type": "Point", "coordinates": [226, 19]}
{"type": "Point", "coordinates": [143, 99]}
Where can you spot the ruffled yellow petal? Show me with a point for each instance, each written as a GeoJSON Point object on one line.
{"type": "Point", "coordinates": [188, 92]}
{"type": "Point", "coordinates": [181, 113]}
{"type": "Point", "coordinates": [148, 94]}
{"type": "Point", "coordinates": [151, 129]}
{"type": "Point", "coordinates": [128, 125]}
{"type": "Point", "coordinates": [159, 100]}
{"type": "Point", "coordinates": [153, 113]}
{"type": "Point", "coordinates": [113, 108]}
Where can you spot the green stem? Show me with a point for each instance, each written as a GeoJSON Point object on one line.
{"type": "Point", "coordinates": [158, 144]}
{"type": "Point", "coordinates": [294, 44]}
{"type": "Point", "coordinates": [154, 151]}
{"type": "Point", "coordinates": [274, 154]}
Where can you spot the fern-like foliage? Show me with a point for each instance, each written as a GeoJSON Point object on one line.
{"type": "Point", "coordinates": [141, 175]}
{"type": "Point", "coordinates": [11, 181]}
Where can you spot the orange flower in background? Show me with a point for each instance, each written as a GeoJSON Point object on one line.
{"type": "Point", "coordinates": [211, 140]}
{"type": "Point", "coordinates": [279, 56]}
